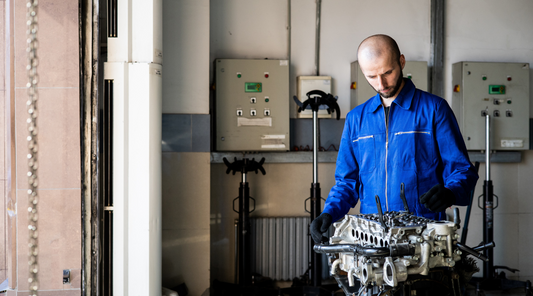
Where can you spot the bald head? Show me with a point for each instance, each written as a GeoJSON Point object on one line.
{"type": "Point", "coordinates": [378, 46]}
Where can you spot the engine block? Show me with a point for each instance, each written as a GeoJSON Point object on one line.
{"type": "Point", "coordinates": [385, 250]}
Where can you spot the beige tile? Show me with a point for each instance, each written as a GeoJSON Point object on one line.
{"type": "Point", "coordinates": [59, 236]}
{"type": "Point", "coordinates": [59, 138]}
{"type": "Point", "coordinates": [3, 227]}
{"type": "Point", "coordinates": [223, 250]}
{"type": "Point", "coordinates": [186, 259]}
{"type": "Point", "coordinates": [505, 181]}
{"type": "Point", "coordinates": [506, 237]}
{"type": "Point", "coordinates": [3, 133]}
{"type": "Point", "coordinates": [2, 48]}
{"type": "Point", "coordinates": [525, 178]}
{"type": "Point", "coordinates": [58, 44]}
{"type": "Point", "coordinates": [185, 190]}
{"type": "Point", "coordinates": [525, 241]}
{"type": "Point", "coordinates": [289, 186]}
{"type": "Point", "coordinates": [224, 188]}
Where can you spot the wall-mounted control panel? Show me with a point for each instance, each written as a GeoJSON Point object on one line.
{"type": "Point", "coordinates": [252, 105]}
{"type": "Point", "coordinates": [361, 91]}
{"type": "Point", "coordinates": [306, 84]}
{"type": "Point", "coordinates": [498, 89]}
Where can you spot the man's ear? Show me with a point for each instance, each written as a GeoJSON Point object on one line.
{"type": "Point", "coordinates": [402, 61]}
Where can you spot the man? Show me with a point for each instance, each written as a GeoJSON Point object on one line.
{"type": "Point", "coordinates": [401, 135]}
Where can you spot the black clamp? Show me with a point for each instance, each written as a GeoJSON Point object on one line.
{"type": "Point", "coordinates": [320, 98]}
{"type": "Point", "coordinates": [245, 165]}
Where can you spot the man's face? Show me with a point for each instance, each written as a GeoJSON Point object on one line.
{"type": "Point", "coordinates": [384, 74]}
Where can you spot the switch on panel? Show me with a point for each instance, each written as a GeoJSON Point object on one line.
{"type": "Point", "coordinates": [266, 112]}
{"type": "Point", "coordinates": [253, 112]}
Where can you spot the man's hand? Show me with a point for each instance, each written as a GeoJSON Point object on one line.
{"type": "Point", "coordinates": [438, 198]}
{"type": "Point", "coordinates": [319, 226]}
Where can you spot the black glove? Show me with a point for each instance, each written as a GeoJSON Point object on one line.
{"type": "Point", "coordinates": [438, 198]}
{"type": "Point", "coordinates": [319, 226]}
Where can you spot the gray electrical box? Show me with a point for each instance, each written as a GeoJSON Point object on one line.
{"type": "Point", "coordinates": [252, 105]}
{"type": "Point", "coordinates": [502, 91]}
{"type": "Point", "coordinates": [361, 91]}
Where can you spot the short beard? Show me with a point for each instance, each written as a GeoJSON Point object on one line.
{"type": "Point", "coordinates": [394, 90]}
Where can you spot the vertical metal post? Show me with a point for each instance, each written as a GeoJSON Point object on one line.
{"type": "Point", "coordinates": [316, 262]}
{"type": "Point", "coordinates": [315, 147]}
{"type": "Point", "coordinates": [317, 37]}
{"type": "Point", "coordinates": [488, 207]}
{"type": "Point", "coordinates": [487, 147]}
{"type": "Point", "coordinates": [436, 60]}
{"type": "Point", "coordinates": [245, 274]}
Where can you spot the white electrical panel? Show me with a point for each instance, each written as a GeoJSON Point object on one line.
{"type": "Point", "coordinates": [502, 91]}
{"type": "Point", "coordinates": [252, 105]}
{"type": "Point", "coordinates": [361, 91]}
{"type": "Point", "coordinates": [309, 83]}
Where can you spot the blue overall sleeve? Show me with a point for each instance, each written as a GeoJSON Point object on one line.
{"type": "Point", "coordinates": [458, 173]}
{"type": "Point", "coordinates": [344, 195]}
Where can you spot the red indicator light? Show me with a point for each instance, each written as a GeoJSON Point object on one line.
{"type": "Point", "coordinates": [266, 75]}
{"type": "Point", "coordinates": [509, 78]}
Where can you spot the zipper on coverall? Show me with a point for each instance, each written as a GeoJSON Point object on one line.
{"type": "Point", "coordinates": [386, 154]}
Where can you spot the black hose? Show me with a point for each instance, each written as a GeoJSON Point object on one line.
{"type": "Point", "coordinates": [472, 252]}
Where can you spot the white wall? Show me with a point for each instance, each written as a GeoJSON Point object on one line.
{"type": "Point", "coordinates": [186, 56]}
{"type": "Point", "coordinates": [346, 23]}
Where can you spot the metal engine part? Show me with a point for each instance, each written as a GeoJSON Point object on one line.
{"type": "Point", "coordinates": [385, 249]}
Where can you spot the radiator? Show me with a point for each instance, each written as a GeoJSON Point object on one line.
{"type": "Point", "coordinates": [280, 247]}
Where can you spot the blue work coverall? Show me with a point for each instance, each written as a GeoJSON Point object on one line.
{"type": "Point", "coordinates": [421, 147]}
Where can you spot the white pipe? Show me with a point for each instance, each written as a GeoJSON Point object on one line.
{"type": "Point", "coordinates": [334, 266]}
{"type": "Point", "coordinates": [423, 267]}
{"type": "Point", "coordinates": [351, 281]}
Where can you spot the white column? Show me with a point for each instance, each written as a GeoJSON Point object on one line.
{"type": "Point", "coordinates": [135, 65]}
{"type": "Point", "coordinates": [144, 180]}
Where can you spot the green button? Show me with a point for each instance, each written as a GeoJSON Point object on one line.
{"type": "Point", "coordinates": [484, 78]}
{"type": "Point", "coordinates": [266, 100]}
{"type": "Point", "coordinates": [409, 77]}
{"type": "Point", "coordinates": [238, 75]}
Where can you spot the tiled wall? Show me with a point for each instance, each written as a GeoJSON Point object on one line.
{"type": "Point", "coordinates": [59, 148]}
{"type": "Point", "coordinates": [185, 194]}
{"type": "Point", "coordinates": [3, 219]}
